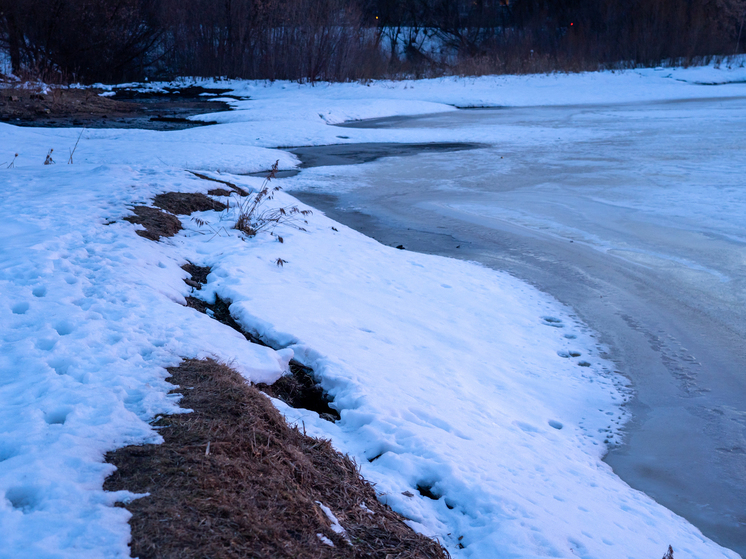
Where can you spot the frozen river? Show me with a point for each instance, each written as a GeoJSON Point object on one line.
{"type": "Point", "coordinates": [634, 216]}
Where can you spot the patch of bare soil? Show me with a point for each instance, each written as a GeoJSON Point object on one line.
{"type": "Point", "coordinates": [300, 390]}
{"type": "Point", "coordinates": [86, 108]}
{"type": "Point", "coordinates": [186, 203]}
{"type": "Point", "coordinates": [233, 480]}
{"type": "Point", "coordinates": [157, 223]}
{"type": "Point", "coordinates": [60, 103]}
{"type": "Point", "coordinates": [199, 275]}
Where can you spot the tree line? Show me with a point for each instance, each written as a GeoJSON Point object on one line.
{"type": "Point", "coordinates": [120, 40]}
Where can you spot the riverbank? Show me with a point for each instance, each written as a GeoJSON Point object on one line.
{"type": "Point", "coordinates": [428, 360]}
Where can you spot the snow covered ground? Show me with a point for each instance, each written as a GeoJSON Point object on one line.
{"type": "Point", "coordinates": [448, 375]}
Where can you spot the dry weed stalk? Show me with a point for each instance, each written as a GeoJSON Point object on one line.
{"type": "Point", "coordinates": [252, 218]}
{"type": "Point", "coordinates": [49, 160]}
{"type": "Point", "coordinates": [216, 231]}
{"type": "Point", "coordinates": [72, 151]}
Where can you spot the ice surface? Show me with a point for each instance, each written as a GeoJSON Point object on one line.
{"type": "Point", "coordinates": [641, 230]}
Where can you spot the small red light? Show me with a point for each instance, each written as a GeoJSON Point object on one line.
{"type": "Point", "coordinates": [572, 24]}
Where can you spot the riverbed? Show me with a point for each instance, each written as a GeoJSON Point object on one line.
{"type": "Point", "coordinates": [634, 215]}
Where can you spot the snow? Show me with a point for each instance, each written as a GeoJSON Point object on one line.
{"type": "Point", "coordinates": [448, 375]}
{"type": "Point", "coordinates": [325, 540]}
{"type": "Point", "coordinates": [336, 527]}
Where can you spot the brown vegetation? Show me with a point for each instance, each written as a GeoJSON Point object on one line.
{"type": "Point", "coordinates": [84, 106]}
{"type": "Point", "coordinates": [186, 203]}
{"type": "Point", "coordinates": [232, 480]}
{"type": "Point", "coordinates": [62, 106]}
{"type": "Point", "coordinates": [157, 224]}
{"type": "Point", "coordinates": [98, 40]}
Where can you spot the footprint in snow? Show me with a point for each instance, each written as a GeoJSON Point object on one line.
{"type": "Point", "coordinates": [7, 451]}
{"type": "Point", "coordinates": [20, 308]}
{"type": "Point", "coordinates": [552, 321]}
{"type": "Point", "coordinates": [24, 498]}
{"type": "Point", "coordinates": [64, 327]}
{"type": "Point", "coordinates": [525, 427]}
{"type": "Point", "coordinates": [57, 416]}
{"type": "Point", "coordinates": [45, 344]}
{"type": "Point", "coordinates": [61, 365]}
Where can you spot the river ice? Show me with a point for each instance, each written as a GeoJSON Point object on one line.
{"type": "Point", "coordinates": [633, 214]}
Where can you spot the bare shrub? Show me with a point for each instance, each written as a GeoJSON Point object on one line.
{"type": "Point", "coordinates": [285, 39]}
{"type": "Point", "coordinates": [339, 40]}
{"type": "Point", "coordinates": [93, 40]}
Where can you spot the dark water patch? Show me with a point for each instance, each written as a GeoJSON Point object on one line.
{"type": "Point", "coordinates": [181, 120]}
{"type": "Point", "coordinates": [385, 122]}
{"type": "Point", "coordinates": [354, 154]}
{"type": "Point", "coordinates": [192, 92]}
{"type": "Point", "coordinates": [376, 228]}
{"type": "Point", "coordinates": [278, 174]}
{"type": "Point", "coordinates": [381, 122]}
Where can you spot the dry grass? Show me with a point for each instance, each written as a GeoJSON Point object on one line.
{"type": "Point", "coordinates": [253, 217]}
{"type": "Point", "coordinates": [157, 223]}
{"type": "Point", "coordinates": [233, 480]}
{"type": "Point", "coordinates": [75, 107]}
{"type": "Point", "coordinates": [186, 203]}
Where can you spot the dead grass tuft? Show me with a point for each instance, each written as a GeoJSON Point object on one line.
{"type": "Point", "coordinates": [157, 223]}
{"type": "Point", "coordinates": [233, 480]}
{"type": "Point", "coordinates": [253, 217]}
{"type": "Point", "coordinates": [186, 203]}
{"type": "Point", "coordinates": [219, 192]}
